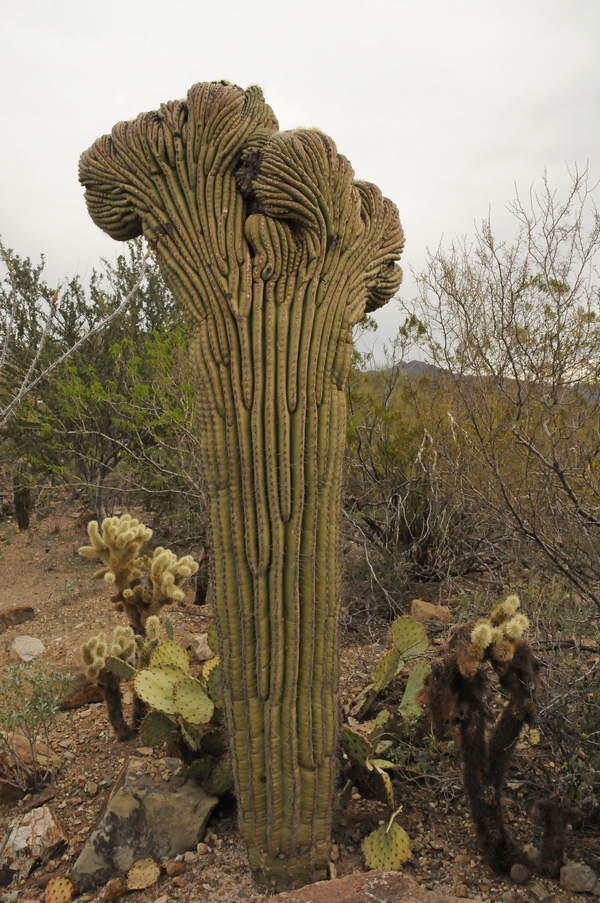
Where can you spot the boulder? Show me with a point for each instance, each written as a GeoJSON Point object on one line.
{"type": "Point", "coordinates": [366, 887]}
{"type": "Point", "coordinates": [578, 878]}
{"type": "Point", "coordinates": [9, 617]}
{"type": "Point", "coordinates": [26, 648]}
{"type": "Point", "coordinates": [152, 812]}
{"type": "Point", "coordinates": [424, 611]}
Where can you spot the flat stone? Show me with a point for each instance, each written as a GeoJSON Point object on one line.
{"type": "Point", "coordinates": [366, 887]}
{"type": "Point", "coordinates": [540, 894]}
{"type": "Point", "coordinates": [9, 617]}
{"type": "Point", "coordinates": [32, 838]}
{"type": "Point", "coordinates": [424, 611]}
{"type": "Point", "coordinates": [578, 878]}
{"type": "Point", "coordinates": [145, 816]}
{"type": "Point", "coordinates": [26, 648]}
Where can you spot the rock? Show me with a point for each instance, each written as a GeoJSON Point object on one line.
{"type": "Point", "coordinates": [578, 878]}
{"type": "Point", "coordinates": [540, 894]}
{"type": "Point", "coordinates": [200, 648]}
{"type": "Point", "coordinates": [17, 744]}
{"type": "Point", "coordinates": [9, 617]}
{"type": "Point", "coordinates": [190, 857]}
{"type": "Point", "coordinates": [174, 869]}
{"type": "Point", "coordinates": [26, 648]}
{"type": "Point", "coordinates": [519, 873]}
{"type": "Point", "coordinates": [146, 816]}
{"type": "Point", "coordinates": [81, 692]}
{"type": "Point", "coordinates": [462, 891]}
{"type": "Point", "coordinates": [425, 611]}
{"type": "Point", "coordinates": [365, 887]}
{"type": "Point", "coordinates": [113, 890]}
{"type": "Point", "coordinates": [33, 839]}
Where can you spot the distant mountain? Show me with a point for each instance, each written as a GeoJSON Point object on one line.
{"type": "Point", "coordinates": [420, 368]}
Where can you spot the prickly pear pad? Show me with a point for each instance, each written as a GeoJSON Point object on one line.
{"type": "Point", "coordinates": [409, 637]}
{"type": "Point", "coordinates": [191, 701]}
{"type": "Point", "coordinates": [386, 848]}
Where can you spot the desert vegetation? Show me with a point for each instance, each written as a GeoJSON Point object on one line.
{"type": "Point", "coordinates": [470, 475]}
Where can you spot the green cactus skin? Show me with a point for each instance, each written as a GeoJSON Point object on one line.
{"type": "Point", "coordinates": [155, 727]}
{"type": "Point", "coordinates": [410, 707]}
{"type": "Point", "coordinates": [274, 253]}
{"type": "Point", "coordinates": [386, 848]}
{"type": "Point", "coordinates": [409, 637]}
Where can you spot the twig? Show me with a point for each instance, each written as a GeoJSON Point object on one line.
{"type": "Point", "coordinates": [27, 386]}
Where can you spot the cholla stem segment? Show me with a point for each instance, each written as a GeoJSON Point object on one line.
{"type": "Point", "coordinates": [274, 253]}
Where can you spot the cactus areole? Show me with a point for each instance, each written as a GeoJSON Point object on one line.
{"type": "Point", "coordinates": [274, 252]}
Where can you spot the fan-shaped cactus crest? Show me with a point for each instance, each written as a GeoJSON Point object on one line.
{"type": "Point", "coordinates": [274, 252]}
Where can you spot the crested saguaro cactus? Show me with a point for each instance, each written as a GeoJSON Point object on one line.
{"type": "Point", "coordinates": [274, 252]}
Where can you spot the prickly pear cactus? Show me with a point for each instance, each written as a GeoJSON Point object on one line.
{"type": "Point", "coordinates": [356, 745]}
{"type": "Point", "coordinates": [409, 637]}
{"type": "Point", "coordinates": [142, 874]}
{"type": "Point", "coordinates": [120, 668]}
{"type": "Point", "coordinates": [155, 727]}
{"type": "Point", "coordinates": [409, 707]}
{"type": "Point", "coordinates": [170, 653]}
{"type": "Point", "coordinates": [155, 687]}
{"type": "Point", "coordinates": [389, 665]}
{"type": "Point", "coordinates": [220, 780]}
{"type": "Point", "coordinates": [59, 890]}
{"type": "Point", "coordinates": [191, 702]}
{"type": "Point", "coordinates": [386, 848]}
{"type": "Point", "coordinates": [274, 252]}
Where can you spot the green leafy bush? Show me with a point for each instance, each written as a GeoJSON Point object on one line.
{"type": "Point", "coordinates": [29, 703]}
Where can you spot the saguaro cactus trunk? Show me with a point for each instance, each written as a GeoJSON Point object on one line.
{"type": "Point", "coordinates": [274, 252]}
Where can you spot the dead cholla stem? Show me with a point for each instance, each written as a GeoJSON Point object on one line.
{"type": "Point", "coordinates": [457, 693]}
{"type": "Point", "coordinates": [28, 384]}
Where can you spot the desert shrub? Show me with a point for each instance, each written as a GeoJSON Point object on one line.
{"type": "Point", "coordinates": [30, 698]}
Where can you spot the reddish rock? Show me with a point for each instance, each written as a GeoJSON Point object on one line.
{"type": "Point", "coordinates": [17, 615]}
{"type": "Point", "coordinates": [366, 887]}
{"type": "Point", "coordinates": [113, 890]}
{"type": "Point", "coordinates": [81, 692]}
{"type": "Point", "coordinates": [173, 869]}
{"type": "Point", "coordinates": [519, 873]}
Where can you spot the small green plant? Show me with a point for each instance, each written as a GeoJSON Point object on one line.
{"type": "Point", "coordinates": [29, 703]}
{"type": "Point", "coordinates": [370, 745]}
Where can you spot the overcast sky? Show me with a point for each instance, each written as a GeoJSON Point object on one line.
{"type": "Point", "coordinates": [445, 105]}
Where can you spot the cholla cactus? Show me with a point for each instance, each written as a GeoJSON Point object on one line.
{"type": "Point", "coordinates": [457, 692]}
{"type": "Point", "coordinates": [494, 638]}
{"type": "Point", "coordinates": [144, 585]}
{"type": "Point", "coordinates": [94, 653]}
{"type": "Point", "coordinates": [117, 547]}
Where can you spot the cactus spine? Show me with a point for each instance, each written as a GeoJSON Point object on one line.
{"type": "Point", "coordinates": [274, 252]}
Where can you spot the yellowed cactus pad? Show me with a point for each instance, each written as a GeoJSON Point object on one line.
{"type": "Point", "coordinates": [142, 874]}
{"type": "Point", "coordinates": [59, 890]}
